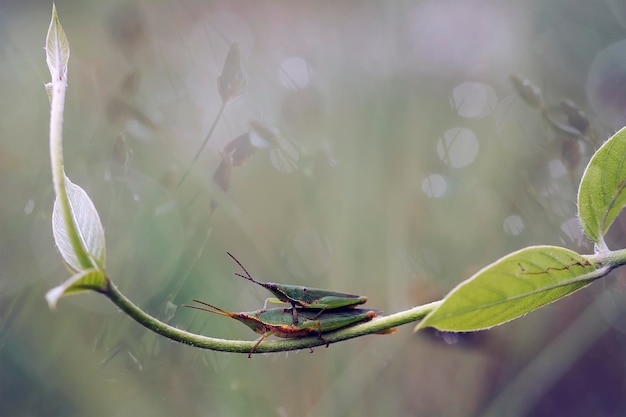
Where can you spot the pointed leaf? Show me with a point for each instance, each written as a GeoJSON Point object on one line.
{"type": "Point", "coordinates": [87, 280]}
{"type": "Point", "coordinates": [88, 226]}
{"type": "Point", "coordinates": [232, 83]}
{"type": "Point", "coordinates": [513, 286]}
{"type": "Point", "coordinates": [601, 195]}
{"type": "Point", "coordinates": [57, 48]}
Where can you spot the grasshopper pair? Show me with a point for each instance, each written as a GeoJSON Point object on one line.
{"type": "Point", "coordinates": [278, 321]}
{"type": "Point", "coordinates": [298, 296]}
{"type": "Point", "coordinates": [313, 311]}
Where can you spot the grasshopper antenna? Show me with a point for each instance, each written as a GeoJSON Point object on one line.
{"type": "Point", "coordinates": [247, 276]}
{"type": "Point", "coordinates": [212, 308]}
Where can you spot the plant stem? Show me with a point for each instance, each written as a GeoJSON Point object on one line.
{"type": "Point", "coordinates": [58, 175]}
{"type": "Point", "coordinates": [55, 40]}
{"type": "Point", "coordinates": [240, 346]}
{"type": "Point", "coordinates": [206, 140]}
{"type": "Point", "coordinates": [611, 259]}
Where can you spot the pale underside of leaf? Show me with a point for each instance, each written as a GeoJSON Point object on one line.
{"type": "Point", "coordinates": [88, 226]}
{"type": "Point", "coordinates": [511, 287]}
{"type": "Point", "coordinates": [87, 280]}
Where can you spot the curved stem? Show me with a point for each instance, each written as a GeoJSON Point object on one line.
{"type": "Point", "coordinates": [241, 346]}
{"type": "Point", "coordinates": [56, 48]}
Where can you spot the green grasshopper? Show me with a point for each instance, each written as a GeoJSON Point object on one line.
{"type": "Point", "coordinates": [311, 298]}
{"type": "Point", "coordinates": [278, 321]}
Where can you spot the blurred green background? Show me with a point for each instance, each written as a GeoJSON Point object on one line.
{"type": "Point", "coordinates": [403, 161]}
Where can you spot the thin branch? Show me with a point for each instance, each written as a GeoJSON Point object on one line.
{"type": "Point", "coordinates": [241, 346]}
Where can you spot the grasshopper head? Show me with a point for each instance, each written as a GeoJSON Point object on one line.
{"type": "Point", "coordinates": [250, 319]}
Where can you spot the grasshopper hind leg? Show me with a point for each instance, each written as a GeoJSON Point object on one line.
{"type": "Point", "coordinates": [319, 333]}
{"type": "Point", "coordinates": [258, 342]}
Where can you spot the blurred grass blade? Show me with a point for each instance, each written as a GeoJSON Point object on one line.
{"type": "Point", "coordinates": [57, 48]}
{"type": "Point", "coordinates": [230, 85]}
{"type": "Point", "coordinates": [513, 286]}
{"type": "Point", "coordinates": [87, 280]}
{"type": "Point", "coordinates": [601, 194]}
{"type": "Point", "coordinates": [88, 226]}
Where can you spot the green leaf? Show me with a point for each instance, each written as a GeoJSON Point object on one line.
{"type": "Point", "coordinates": [513, 286]}
{"type": "Point", "coordinates": [601, 195]}
{"type": "Point", "coordinates": [57, 48]}
{"type": "Point", "coordinates": [88, 226]}
{"type": "Point", "coordinates": [87, 280]}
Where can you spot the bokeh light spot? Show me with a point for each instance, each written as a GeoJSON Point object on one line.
{"type": "Point", "coordinates": [458, 147]}
{"type": "Point", "coordinates": [557, 169]}
{"type": "Point", "coordinates": [574, 231]}
{"type": "Point", "coordinates": [435, 185]}
{"type": "Point", "coordinates": [606, 85]}
{"type": "Point", "coordinates": [513, 225]}
{"type": "Point", "coordinates": [471, 99]}
{"type": "Point", "coordinates": [295, 73]}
